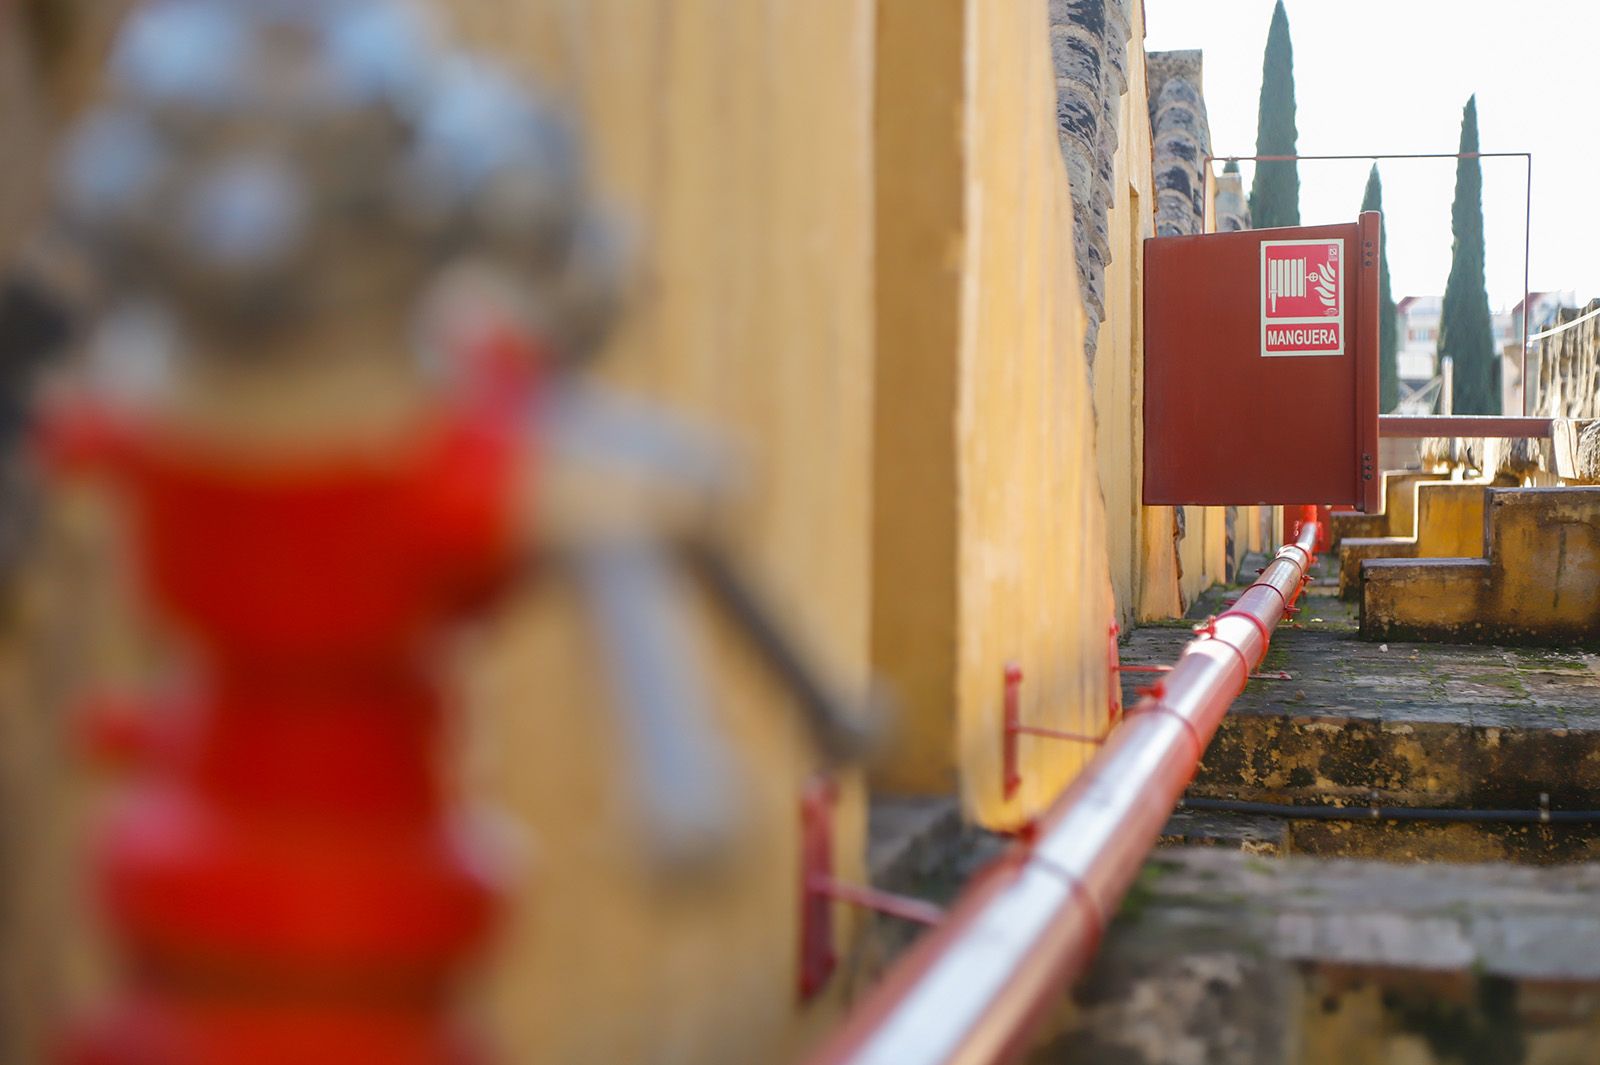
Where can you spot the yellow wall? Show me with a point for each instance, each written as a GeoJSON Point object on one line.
{"type": "Point", "coordinates": [1450, 519]}
{"type": "Point", "coordinates": [50, 56]}
{"type": "Point", "coordinates": [932, 406]}
{"type": "Point", "coordinates": [982, 386]}
{"type": "Point", "coordinates": [921, 170]}
{"type": "Point", "coordinates": [1203, 550]}
{"type": "Point", "coordinates": [1537, 582]}
{"type": "Point", "coordinates": [1035, 587]}
{"type": "Point", "coordinates": [1154, 575]}
{"type": "Point", "coordinates": [739, 134]}
{"type": "Point", "coordinates": [1119, 368]}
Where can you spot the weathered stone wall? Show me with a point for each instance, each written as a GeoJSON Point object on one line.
{"type": "Point", "coordinates": [1088, 41]}
{"type": "Point", "coordinates": [1567, 366]}
{"type": "Point", "coordinates": [1181, 138]}
{"type": "Point", "coordinates": [1143, 561]}
{"type": "Point", "coordinates": [1103, 122]}
{"type": "Point", "coordinates": [1567, 369]}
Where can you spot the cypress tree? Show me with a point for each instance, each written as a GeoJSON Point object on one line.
{"type": "Point", "coordinates": [1465, 331]}
{"type": "Point", "coordinates": [1275, 191]}
{"type": "Point", "coordinates": [1388, 319]}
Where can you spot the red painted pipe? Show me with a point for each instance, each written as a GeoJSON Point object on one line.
{"type": "Point", "coordinates": [970, 992]}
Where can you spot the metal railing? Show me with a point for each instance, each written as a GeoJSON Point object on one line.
{"type": "Point", "coordinates": [1564, 326]}
{"type": "Point", "coordinates": [1406, 426]}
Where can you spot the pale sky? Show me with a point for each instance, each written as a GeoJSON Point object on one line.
{"type": "Point", "coordinates": [1392, 76]}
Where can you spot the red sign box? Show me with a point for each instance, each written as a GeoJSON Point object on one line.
{"type": "Point", "coordinates": [1261, 367]}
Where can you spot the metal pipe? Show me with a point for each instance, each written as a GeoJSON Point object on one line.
{"type": "Point", "coordinates": [971, 991]}
{"type": "Point", "coordinates": [1468, 425]}
{"type": "Point", "coordinates": [1527, 297]}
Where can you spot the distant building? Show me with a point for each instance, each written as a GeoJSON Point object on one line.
{"type": "Point", "coordinates": [1417, 356]}
{"type": "Point", "coordinates": [1542, 316]}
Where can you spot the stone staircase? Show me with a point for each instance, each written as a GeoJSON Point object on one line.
{"type": "Point", "coordinates": [1287, 937]}
{"type": "Point", "coordinates": [1358, 725]}
{"type": "Point", "coordinates": [1278, 940]}
{"type": "Point", "coordinates": [1535, 578]}
{"type": "Point", "coordinates": [1395, 516]}
{"type": "Point", "coordinates": [1446, 522]}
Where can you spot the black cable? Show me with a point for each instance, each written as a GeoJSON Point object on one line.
{"type": "Point", "coordinates": [1310, 812]}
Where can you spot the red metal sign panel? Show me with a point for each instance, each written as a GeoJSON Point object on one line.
{"type": "Point", "coordinates": [1261, 367]}
{"type": "Point", "coordinates": [1302, 297]}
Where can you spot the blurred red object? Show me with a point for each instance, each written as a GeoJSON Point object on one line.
{"type": "Point", "coordinates": [286, 874]}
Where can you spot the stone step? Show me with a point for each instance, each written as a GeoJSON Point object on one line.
{"type": "Point", "coordinates": [1399, 725]}
{"type": "Point", "coordinates": [1538, 581]}
{"type": "Point", "coordinates": [1396, 834]}
{"type": "Point", "coordinates": [1394, 518]}
{"type": "Point", "coordinates": [1448, 523]}
{"type": "Point", "coordinates": [1224, 957]}
{"type": "Point", "coordinates": [1240, 832]}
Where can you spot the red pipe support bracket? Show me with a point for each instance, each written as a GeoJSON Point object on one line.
{"type": "Point", "coordinates": [820, 889]}
{"type": "Point", "coordinates": [1012, 726]}
{"type": "Point", "coordinates": [818, 955]}
{"type": "Point", "coordinates": [972, 991]}
{"type": "Point", "coordinates": [1057, 734]}
{"type": "Point", "coordinates": [917, 911]}
{"type": "Point", "coordinates": [1010, 723]}
{"type": "Point", "coordinates": [1113, 691]}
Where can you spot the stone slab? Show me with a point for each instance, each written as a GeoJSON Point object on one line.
{"type": "Point", "coordinates": [1252, 835]}
{"type": "Point", "coordinates": [1402, 724]}
{"type": "Point", "coordinates": [1219, 957]}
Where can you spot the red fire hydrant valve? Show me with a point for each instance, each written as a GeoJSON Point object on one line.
{"type": "Point", "coordinates": [288, 877]}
